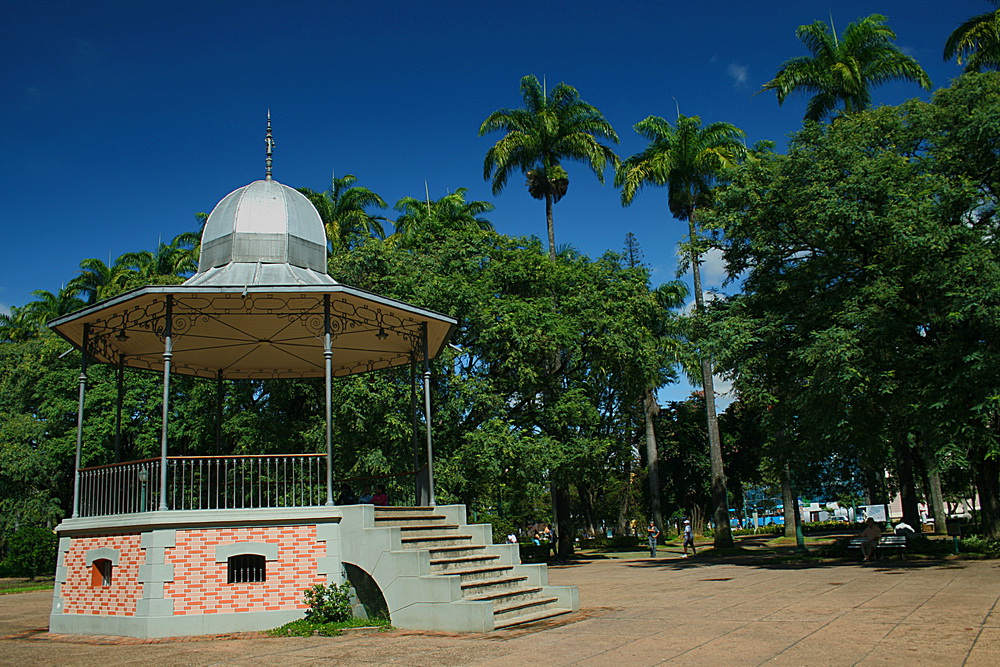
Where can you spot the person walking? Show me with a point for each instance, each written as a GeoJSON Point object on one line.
{"type": "Point", "coordinates": [652, 533]}
{"type": "Point", "coordinates": [688, 539]}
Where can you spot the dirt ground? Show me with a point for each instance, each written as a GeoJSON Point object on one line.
{"type": "Point", "coordinates": [736, 611]}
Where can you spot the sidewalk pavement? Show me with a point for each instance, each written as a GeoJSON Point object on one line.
{"type": "Point", "coordinates": [640, 612]}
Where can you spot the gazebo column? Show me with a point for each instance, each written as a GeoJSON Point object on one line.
{"type": "Point", "coordinates": [168, 354]}
{"type": "Point", "coordinates": [427, 415]}
{"type": "Point", "coordinates": [220, 395]}
{"type": "Point", "coordinates": [118, 408]}
{"type": "Point", "coordinates": [414, 428]}
{"type": "Point", "coordinates": [79, 422]}
{"type": "Point", "coordinates": [328, 386]}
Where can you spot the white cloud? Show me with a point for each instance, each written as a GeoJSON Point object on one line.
{"type": "Point", "coordinates": [724, 394]}
{"type": "Point", "coordinates": [713, 268]}
{"type": "Point", "coordinates": [738, 73]}
{"type": "Point", "coordinates": [4, 309]}
{"type": "Point", "coordinates": [688, 308]}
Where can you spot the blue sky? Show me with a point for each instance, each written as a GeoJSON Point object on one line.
{"type": "Point", "coordinates": [121, 120]}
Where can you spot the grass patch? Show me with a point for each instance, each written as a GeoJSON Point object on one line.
{"type": "Point", "coordinates": [11, 586]}
{"type": "Point", "coordinates": [304, 628]}
{"type": "Point", "coordinates": [618, 554]}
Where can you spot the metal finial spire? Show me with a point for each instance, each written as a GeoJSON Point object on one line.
{"type": "Point", "coordinates": [269, 142]}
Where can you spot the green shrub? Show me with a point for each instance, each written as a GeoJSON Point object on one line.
{"type": "Point", "coordinates": [816, 526]}
{"type": "Point", "coordinates": [773, 529]}
{"type": "Point", "coordinates": [976, 544]}
{"type": "Point", "coordinates": [304, 628]}
{"type": "Point", "coordinates": [616, 542]}
{"type": "Point", "coordinates": [501, 527]}
{"type": "Point", "coordinates": [31, 551]}
{"type": "Point", "coordinates": [328, 604]}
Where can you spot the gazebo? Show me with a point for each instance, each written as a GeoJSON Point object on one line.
{"type": "Point", "coordinates": [191, 545]}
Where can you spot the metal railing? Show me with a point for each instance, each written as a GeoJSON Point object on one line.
{"type": "Point", "coordinates": [223, 482]}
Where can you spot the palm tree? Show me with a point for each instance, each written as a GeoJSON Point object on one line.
{"type": "Point", "coordinates": [18, 325]}
{"type": "Point", "coordinates": [689, 159]}
{"type": "Point", "coordinates": [170, 260]}
{"type": "Point", "coordinates": [551, 128]}
{"type": "Point", "coordinates": [977, 41]}
{"type": "Point", "coordinates": [450, 212]}
{"type": "Point", "coordinates": [843, 71]}
{"type": "Point", "coordinates": [344, 211]}
{"type": "Point", "coordinates": [669, 297]}
{"type": "Point", "coordinates": [98, 281]}
{"type": "Point", "coordinates": [49, 306]}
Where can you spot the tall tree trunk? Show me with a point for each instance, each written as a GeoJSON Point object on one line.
{"type": "Point", "coordinates": [650, 410]}
{"type": "Point", "coordinates": [697, 520]}
{"type": "Point", "coordinates": [626, 497]}
{"type": "Point", "coordinates": [873, 486]}
{"type": "Point", "coordinates": [789, 501]}
{"type": "Point", "coordinates": [586, 495]}
{"type": "Point", "coordinates": [720, 500]}
{"type": "Point", "coordinates": [565, 524]}
{"type": "Point", "coordinates": [907, 485]}
{"type": "Point", "coordinates": [550, 227]}
{"type": "Point", "coordinates": [740, 505]}
{"type": "Point", "coordinates": [936, 500]}
{"type": "Point", "coordinates": [987, 475]}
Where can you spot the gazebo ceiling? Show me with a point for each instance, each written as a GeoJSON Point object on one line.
{"type": "Point", "coordinates": [258, 331]}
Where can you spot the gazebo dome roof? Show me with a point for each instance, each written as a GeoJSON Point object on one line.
{"type": "Point", "coordinates": [264, 233]}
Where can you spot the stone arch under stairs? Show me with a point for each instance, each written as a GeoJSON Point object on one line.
{"type": "Point", "coordinates": [437, 572]}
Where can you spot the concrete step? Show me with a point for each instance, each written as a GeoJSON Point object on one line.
{"type": "Point", "coordinates": [455, 550]}
{"type": "Point", "coordinates": [507, 611]}
{"type": "Point", "coordinates": [460, 562]}
{"type": "Point", "coordinates": [424, 531]}
{"type": "Point", "coordinates": [394, 510]}
{"type": "Point", "coordinates": [529, 618]}
{"type": "Point", "coordinates": [507, 596]}
{"type": "Point", "coordinates": [480, 573]}
{"type": "Point", "coordinates": [432, 541]}
{"type": "Point", "coordinates": [410, 520]}
{"type": "Point", "coordinates": [477, 586]}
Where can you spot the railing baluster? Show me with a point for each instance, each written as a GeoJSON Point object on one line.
{"type": "Point", "coordinates": [206, 482]}
{"type": "Point", "coordinates": [104, 505]}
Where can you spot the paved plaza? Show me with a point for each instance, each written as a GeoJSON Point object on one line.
{"type": "Point", "coordinates": [639, 612]}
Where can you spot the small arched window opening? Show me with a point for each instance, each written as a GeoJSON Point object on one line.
{"type": "Point", "coordinates": [100, 572]}
{"type": "Point", "coordinates": [247, 568]}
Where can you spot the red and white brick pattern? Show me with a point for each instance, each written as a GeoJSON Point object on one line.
{"type": "Point", "coordinates": [199, 585]}
{"type": "Point", "coordinates": [118, 599]}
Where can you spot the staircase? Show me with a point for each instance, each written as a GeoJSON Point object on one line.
{"type": "Point", "coordinates": [484, 585]}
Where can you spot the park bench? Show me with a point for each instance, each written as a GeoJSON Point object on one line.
{"type": "Point", "coordinates": [885, 543]}
{"type": "Point", "coordinates": [534, 553]}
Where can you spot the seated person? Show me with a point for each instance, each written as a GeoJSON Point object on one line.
{"type": "Point", "coordinates": [346, 496]}
{"type": "Point", "coordinates": [380, 497]}
{"type": "Point", "coordinates": [366, 496]}
{"type": "Point", "coordinates": [905, 529]}
{"type": "Point", "coordinates": [870, 535]}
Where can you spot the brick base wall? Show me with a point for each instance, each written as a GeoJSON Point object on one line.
{"type": "Point", "coordinates": [200, 583]}
{"type": "Point", "coordinates": [79, 593]}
